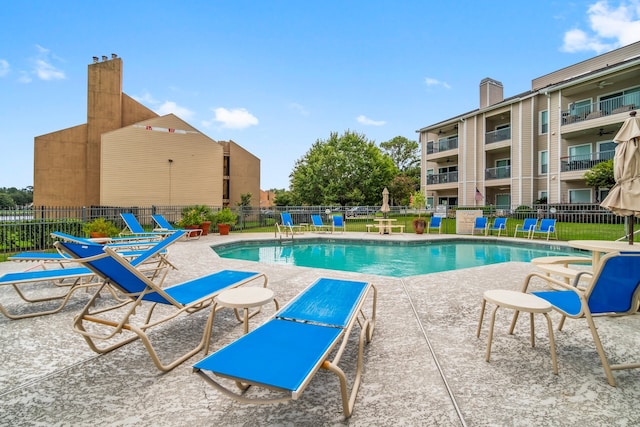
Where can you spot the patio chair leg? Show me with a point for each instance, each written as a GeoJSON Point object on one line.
{"type": "Point", "coordinates": [484, 303]}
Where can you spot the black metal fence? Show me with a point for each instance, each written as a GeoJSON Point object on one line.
{"type": "Point", "coordinates": [30, 229]}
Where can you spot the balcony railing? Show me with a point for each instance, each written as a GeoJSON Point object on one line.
{"type": "Point", "coordinates": [584, 161]}
{"type": "Point", "coordinates": [498, 173]}
{"type": "Point", "coordinates": [497, 135]}
{"type": "Point", "coordinates": [619, 104]}
{"type": "Point", "coordinates": [443, 144]}
{"type": "Point", "coordinates": [442, 178]}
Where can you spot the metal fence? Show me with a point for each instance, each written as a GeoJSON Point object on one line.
{"type": "Point", "coordinates": [30, 229]}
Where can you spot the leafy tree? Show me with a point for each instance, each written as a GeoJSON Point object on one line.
{"type": "Point", "coordinates": [20, 197]}
{"type": "Point", "coordinates": [6, 201]}
{"type": "Point", "coordinates": [345, 169]}
{"type": "Point", "coordinates": [600, 176]}
{"type": "Point", "coordinates": [404, 152]}
{"type": "Point", "coordinates": [400, 188]}
{"type": "Point", "coordinates": [245, 200]}
{"type": "Point", "coordinates": [406, 156]}
{"type": "Point", "coordinates": [283, 198]}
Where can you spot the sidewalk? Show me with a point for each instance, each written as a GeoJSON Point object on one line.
{"type": "Point", "coordinates": [424, 366]}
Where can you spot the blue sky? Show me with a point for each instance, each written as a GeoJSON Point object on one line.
{"type": "Point", "coordinates": [275, 76]}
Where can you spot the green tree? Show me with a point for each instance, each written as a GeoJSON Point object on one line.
{"type": "Point", "coordinates": [600, 176]}
{"type": "Point", "coordinates": [21, 197]}
{"type": "Point", "coordinates": [283, 198]}
{"type": "Point", "coordinates": [6, 201]}
{"type": "Point", "coordinates": [403, 152]}
{"type": "Point", "coordinates": [400, 188]}
{"type": "Point", "coordinates": [245, 200]}
{"type": "Point", "coordinates": [406, 156]}
{"type": "Point", "coordinates": [345, 169]}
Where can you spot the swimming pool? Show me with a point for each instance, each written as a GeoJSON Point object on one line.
{"type": "Point", "coordinates": [395, 259]}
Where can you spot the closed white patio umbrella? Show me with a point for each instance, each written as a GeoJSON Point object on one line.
{"type": "Point", "coordinates": [385, 202]}
{"type": "Point", "coordinates": [624, 197]}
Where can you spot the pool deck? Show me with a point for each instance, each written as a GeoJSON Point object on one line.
{"type": "Point", "coordinates": [424, 366]}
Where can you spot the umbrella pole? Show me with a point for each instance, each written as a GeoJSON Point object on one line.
{"type": "Point", "coordinates": [631, 221]}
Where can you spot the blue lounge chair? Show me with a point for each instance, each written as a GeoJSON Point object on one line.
{"type": "Point", "coordinates": [480, 225]}
{"type": "Point", "coordinates": [613, 290]}
{"type": "Point", "coordinates": [499, 225]}
{"type": "Point", "coordinates": [338, 222]}
{"type": "Point", "coordinates": [288, 224]}
{"type": "Point", "coordinates": [285, 353]}
{"type": "Point", "coordinates": [547, 227]}
{"type": "Point", "coordinates": [134, 228]}
{"type": "Point", "coordinates": [527, 227]}
{"type": "Point", "coordinates": [119, 243]}
{"type": "Point", "coordinates": [127, 247]}
{"type": "Point", "coordinates": [435, 223]}
{"type": "Point", "coordinates": [318, 225]}
{"type": "Point", "coordinates": [164, 226]}
{"type": "Point", "coordinates": [124, 319]}
{"type": "Point", "coordinates": [72, 279]}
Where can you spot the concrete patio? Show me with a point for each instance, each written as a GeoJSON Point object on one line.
{"type": "Point", "coordinates": [425, 365]}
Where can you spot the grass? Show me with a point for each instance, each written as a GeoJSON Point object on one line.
{"type": "Point", "coordinates": [566, 230]}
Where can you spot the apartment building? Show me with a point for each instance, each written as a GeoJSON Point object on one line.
{"type": "Point", "coordinates": [536, 145]}
{"type": "Point", "coordinates": [127, 155]}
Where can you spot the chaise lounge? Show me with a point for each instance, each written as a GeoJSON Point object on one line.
{"type": "Point", "coordinates": [286, 352]}
{"type": "Point", "coordinates": [116, 323]}
{"type": "Point", "coordinates": [73, 278]}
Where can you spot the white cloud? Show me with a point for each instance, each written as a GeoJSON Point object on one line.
{"type": "Point", "coordinates": [24, 77]}
{"type": "Point", "coordinates": [367, 121]}
{"type": "Point", "coordinates": [299, 108]}
{"type": "Point", "coordinates": [163, 108]}
{"type": "Point", "coordinates": [237, 118]}
{"type": "Point", "coordinates": [146, 98]}
{"type": "Point", "coordinates": [435, 82]}
{"type": "Point", "coordinates": [46, 71]}
{"type": "Point", "coordinates": [4, 68]}
{"type": "Point", "coordinates": [168, 107]}
{"type": "Point", "coordinates": [610, 27]}
{"type": "Point", "coordinates": [43, 67]}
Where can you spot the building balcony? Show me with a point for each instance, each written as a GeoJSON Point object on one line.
{"type": "Point", "coordinates": [443, 144]}
{"type": "Point", "coordinates": [503, 134]}
{"type": "Point", "coordinates": [498, 173]}
{"type": "Point", "coordinates": [442, 178]}
{"type": "Point", "coordinates": [584, 161]}
{"type": "Point", "coordinates": [595, 110]}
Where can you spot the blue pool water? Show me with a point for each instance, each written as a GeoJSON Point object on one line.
{"type": "Point", "coordinates": [387, 259]}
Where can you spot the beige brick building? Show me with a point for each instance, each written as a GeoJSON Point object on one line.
{"type": "Point", "coordinates": [127, 155]}
{"type": "Point", "coordinates": [536, 144]}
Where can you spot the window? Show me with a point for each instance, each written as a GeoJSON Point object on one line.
{"type": "Point", "coordinates": [543, 195]}
{"type": "Point", "coordinates": [544, 122]}
{"type": "Point", "coordinates": [543, 162]}
{"type": "Point", "coordinates": [632, 97]}
{"type": "Point", "coordinates": [429, 202]}
{"type": "Point", "coordinates": [606, 150]}
{"type": "Point", "coordinates": [602, 193]}
{"type": "Point", "coordinates": [609, 103]}
{"type": "Point", "coordinates": [429, 147]}
{"type": "Point", "coordinates": [448, 169]}
{"type": "Point", "coordinates": [581, 108]}
{"type": "Point", "coordinates": [580, 152]}
{"type": "Point", "coordinates": [580, 196]}
{"type": "Point", "coordinates": [226, 166]}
